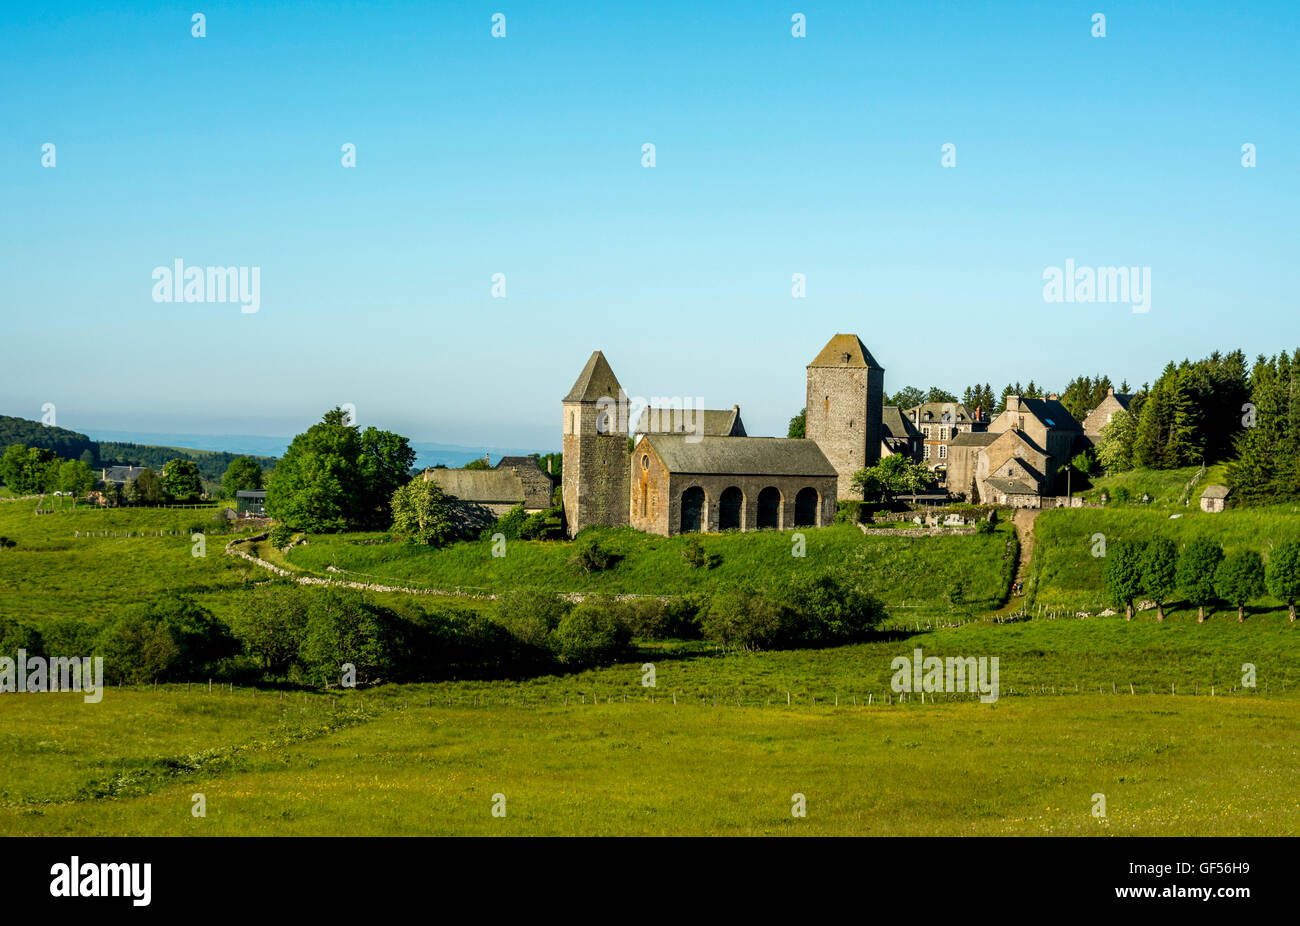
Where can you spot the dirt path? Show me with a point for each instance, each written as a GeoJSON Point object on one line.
{"type": "Point", "coordinates": [1023, 521]}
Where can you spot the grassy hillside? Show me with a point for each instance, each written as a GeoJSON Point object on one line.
{"type": "Point", "coordinates": [1168, 488]}
{"type": "Point", "coordinates": [1066, 576]}
{"type": "Point", "coordinates": [907, 573]}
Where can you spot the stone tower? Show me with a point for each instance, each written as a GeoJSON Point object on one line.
{"type": "Point", "coordinates": [596, 459]}
{"type": "Point", "coordinates": [846, 393]}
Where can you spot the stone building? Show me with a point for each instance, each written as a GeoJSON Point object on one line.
{"type": "Point", "coordinates": [496, 490]}
{"type": "Point", "coordinates": [1017, 460]}
{"type": "Point", "coordinates": [596, 458]}
{"type": "Point", "coordinates": [701, 471]}
{"type": "Point", "coordinates": [1100, 416]}
{"type": "Point", "coordinates": [939, 423]}
{"type": "Point", "coordinates": [729, 483]}
{"type": "Point", "coordinates": [1214, 498]}
{"type": "Point", "coordinates": [898, 436]}
{"type": "Point", "coordinates": [845, 398]}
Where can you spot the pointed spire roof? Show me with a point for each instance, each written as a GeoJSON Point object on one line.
{"type": "Point", "coordinates": [845, 350]}
{"type": "Point", "coordinates": [595, 381]}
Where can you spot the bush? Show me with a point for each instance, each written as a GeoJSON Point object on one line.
{"type": "Point", "coordinates": [272, 627]}
{"type": "Point", "coordinates": [15, 635]}
{"type": "Point", "coordinates": [531, 616]}
{"type": "Point", "coordinates": [590, 634]}
{"type": "Point", "coordinates": [655, 619]}
{"type": "Point", "coordinates": [281, 536]}
{"type": "Point", "coordinates": [543, 525]}
{"type": "Point", "coordinates": [590, 555]}
{"type": "Point", "coordinates": [693, 553]}
{"type": "Point", "coordinates": [741, 619]}
{"type": "Point", "coordinates": [848, 512]}
{"type": "Point", "coordinates": [510, 524]}
{"type": "Point", "coordinates": [345, 628]}
{"type": "Point", "coordinates": [985, 526]}
{"type": "Point", "coordinates": [171, 638]}
{"type": "Point", "coordinates": [822, 610]}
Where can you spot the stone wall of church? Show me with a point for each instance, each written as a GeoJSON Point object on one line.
{"type": "Point", "coordinates": [843, 416]}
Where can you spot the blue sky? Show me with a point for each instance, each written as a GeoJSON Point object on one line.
{"type": "Point", "coordinates": [522, 156]}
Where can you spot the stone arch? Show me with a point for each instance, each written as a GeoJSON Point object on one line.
{"type": "Point", "coordinates": [769, 507]}
{"type": "Point", "coordinates": [806, 505]}
{"type": "Point", "coordinates": [694, 502]}
{"type": "Point", "coordinates": [730, 505]}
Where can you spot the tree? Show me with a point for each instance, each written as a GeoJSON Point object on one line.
{"type": "Point", "coordinates": [421, 513]}
{"type": "Point", "coordinates": [738, 618]}
{"type": "Point", "coordinates": [1115, 452]}
{"type": "Point", "coordinates": [1196, 567]}
{"type": "Point", "coordinates": [1283, 574]}
{"type": "Point", "coordinates": [1159, 567]}
{"type": "Point", "coordinates": [893, 475]}
{"type": "Point", "coordinates": [477, 464]}
{"type": "Point", "coordinates": [244, 474]}
{"type": "Point", "coordinates": [1239, 578]}
{"type": "Point", "coordinates": [798, 425]}
{"type": "Point", "coordinates": [822, 608]}
{"type": "Point", "coordinates": [145, 489]}
{"type": "Point", "coordinates": [1123, 573]}
{"type": "Point", "coordinates": [181, 481]}
{"type": "Point", "coordinates": [169, 638]}
{"type": "Point", "coordinates": [590, 634]}
{"type": "Point", "coordinates": [344, 629]}
{"type": "Point", "coordinates": [75, 479]}
{"type": "Point", "coordinates": [385, 461]}
{"type": "Point", "coordinates": [315, 485]}
{"type": "Point", "coordinates": [272, 627]}
{"type": "Point", "coordinates": [25, 470]}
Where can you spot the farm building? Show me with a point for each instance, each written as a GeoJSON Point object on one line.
{"type": "Point", "coordinates": [1214, 498]}
{"type": "Point", "coordinates": [250, 503]}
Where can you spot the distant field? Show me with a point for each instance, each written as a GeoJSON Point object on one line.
{"type": "Point", "coordinates": [1068, 577]}
{"type": "Point", "coordinates": [908, 574]}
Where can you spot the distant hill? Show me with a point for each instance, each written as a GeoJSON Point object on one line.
{"type": "Point", "coordinates": [71, 445]}
{"type": "Point", "coordinates": [68, 444]}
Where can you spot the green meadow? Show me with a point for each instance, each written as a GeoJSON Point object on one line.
{"type": "Point", "coordinates": [1068, 577]}
{"type": "Point", "coordinates": [1153, 716]}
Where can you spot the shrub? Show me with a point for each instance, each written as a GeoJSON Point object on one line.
{"type": "Point", "coordinates": [272, 625]}
{"type": "Point", "coordinates": [848, 512]}
{"type": "Point", "coordinates": [510, 524]}
{"type": "Point", "coordinates": [590, 555]}
{"type": "Point", "coordinates": [590, 634]}
{"type": "Point", "coordinates": [281, 536]}
{"type": "Point", "coordinates": [693, 553]}
{"type": "Point", "coordinates": [345, 628]}
{"type": "Point", "coordinates": [821, 609]}
{"type": "Point", "coordinates": [985, 526]}
{"type": "Point", "coordinates": [15, 635]}
{"type": "Point", "coordinates": [171, 638]}
{"type": "Point", "coordinates": [655, 619]}
{"type": "Point", "coordinates": [531, 616]}
{"type": "Point", "coordinates": [543, 525]}
{"type": "Point", "coordinates": [741, 619]}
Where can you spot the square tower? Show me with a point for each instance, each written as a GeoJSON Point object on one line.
{"type": "Point", "coordinates": [596, 459]}
{"type": "Point", "coordinates": [846, 393]}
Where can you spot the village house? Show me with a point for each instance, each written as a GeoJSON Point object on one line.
{"type": "Point", "coordinates": [480, 493]}
{"type": "Point", "coordinates": [1101, 416]}
{"type": "Point", "coordinates": [1017, 460]}
{"type": "Point", "coordinates": [939, 423]}
{"type": "Point", "coordinates": [898, 436]}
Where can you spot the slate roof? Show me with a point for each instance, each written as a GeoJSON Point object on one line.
{"type": "Point", "coordinates": [1216, 492]}
{"type": "Point", "coordinates": [894, 426]}
{"type": "Point", "coordinates": [596, 381]}
{"type": "Point", "coordinates": [845, 345]}
{"type": "Point", "coordinates": [960, 413]}
{"type": "Point", "coordinates": [711, 422]}
{"type": "Point", "coordinates": [740, 456]}
{"type": "Point", "coordinates": [974, 439]}
{"type": "Point", "coordinates": [251, 493]}
{"type": "Point", "coordinates": [490, 486]}
{"type": "Point", "coordinates": [1051, 413]}
{"type": "Point", "coordinates": [123, 474]}
{"type": "Point", "coordinates": [508, 462]}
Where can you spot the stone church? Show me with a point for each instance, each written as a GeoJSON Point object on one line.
{"type": "Point", "coordinates": [713, 476]}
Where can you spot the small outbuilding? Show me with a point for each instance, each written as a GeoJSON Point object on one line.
{"type": "Point", "coordinates": [1215, 498]}
{"type": "Point", "coordinates": [250, 503]}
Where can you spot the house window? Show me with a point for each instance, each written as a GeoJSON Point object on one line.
{"type": "Point", "coordinates": [943, 451]}
{"type": "Point", "coordinates": [926, 431]}
{"type": "Point", "coordinates": [645, 461]}
{"type": "Point", "coordinates": [925, 454]}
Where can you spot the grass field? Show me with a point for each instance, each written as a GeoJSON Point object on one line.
{"type": "Point", "coordinates": [908, 574]}
{"type": "Point", "coordinates": [396, 766]}
{"type": "Point", "coordinates": [1086, 706]}
{"type": "Point", "coordinates": [1068, 577]}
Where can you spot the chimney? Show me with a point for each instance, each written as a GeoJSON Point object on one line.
{"type": "Point", "coordinates": [1013, 403]}
{"type": "Point", "coordinates": [1110, 390]}
{"type": "Point", "coordinates": [548, 466]}
{"type": "Point", "coordinates": [1051, 396]}
{"type": "Point", "coordinates": [979, 412]}
{"type": "Point", "coordinates": [486, 460]}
